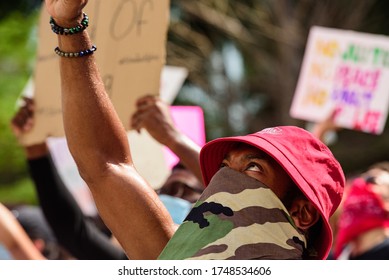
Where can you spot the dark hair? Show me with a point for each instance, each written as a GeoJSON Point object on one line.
{"type": "Point", "coordinates": [179, 165]}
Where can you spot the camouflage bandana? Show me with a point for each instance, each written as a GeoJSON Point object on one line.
{"type": "Point", "coordinates": [237, 217]}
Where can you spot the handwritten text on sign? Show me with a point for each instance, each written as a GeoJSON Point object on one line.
{"type": "Point", "coordinates": [344, 72]}
{"type": "Point", "coordinates": [130, 36]}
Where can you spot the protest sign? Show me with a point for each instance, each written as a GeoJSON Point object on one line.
{"type": "Point", "coordinates": [130, 37]}
{"type": "Point", "coordinates": [344, 73]}
{"type": "Point", "coordinates": [190, 121]}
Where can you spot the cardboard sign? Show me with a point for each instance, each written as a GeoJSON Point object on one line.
{"type": "Point", "coordinates": [130, 37]}
{"type": "Point", "coordinates": [344, 73]}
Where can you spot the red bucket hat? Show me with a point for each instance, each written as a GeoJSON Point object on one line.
{"type": "Point", "coordinates": [309, 163]}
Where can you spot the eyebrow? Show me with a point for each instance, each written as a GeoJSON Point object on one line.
{"type": "Point", "coordinates": [257, 155]}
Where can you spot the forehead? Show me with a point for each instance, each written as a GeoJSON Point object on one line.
{"type": "Point", "coordinates": [246, 151]}
{"type": "Point", "coordinates": [380, 180]}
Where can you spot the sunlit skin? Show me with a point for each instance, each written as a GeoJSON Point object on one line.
{"type": "Point", "coordinates": [381, 184]}
{"type": "Point", "coordinates": [260, 166]}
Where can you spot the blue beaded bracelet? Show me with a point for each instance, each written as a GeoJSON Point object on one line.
{"type": "Point", "coordinates": [75, 54]}
{"type": "Point", "coordinates": [71, 30]}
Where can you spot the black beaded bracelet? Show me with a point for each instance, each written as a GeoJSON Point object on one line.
{"type": "Point", "coordinates": [75, 54]}
{"type": "Point", "coordinates": [71, 30]}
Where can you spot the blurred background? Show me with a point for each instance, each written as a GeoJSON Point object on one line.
{"type": "Point", "coordinates": [243, 58]}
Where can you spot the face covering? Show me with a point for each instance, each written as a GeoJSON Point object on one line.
{"type": "Point", "coordinates": [236, 217]}
{"type": "Point", "coordinates": [363, 210]}
{"type": "Point", "coordinates": [178, 208]}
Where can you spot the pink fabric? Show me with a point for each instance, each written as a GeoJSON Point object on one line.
{"type": "Point", "coordinates": [363, 210]}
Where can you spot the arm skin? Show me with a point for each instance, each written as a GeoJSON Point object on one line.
{"type": "Point", "coordinates": [15, 239]}
{"type": "Point", "coordinates": [153, 114]}
{"type": "Point", "coordinates": [80, 236]}
{"type": "Point", "coordinates": [99, 145]}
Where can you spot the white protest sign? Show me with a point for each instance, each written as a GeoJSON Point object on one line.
{"type": "Point", "coordinates": [130, 36]}
{"type": "Point", "coordinates": [344, 72]}
{"type": "Point", "coordinates": [172, 79]}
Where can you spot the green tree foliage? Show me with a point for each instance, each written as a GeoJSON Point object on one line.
{"type": "Point", "coordinates": [23, 6]}
{"type": "Point", "coordinates": [17, 52]}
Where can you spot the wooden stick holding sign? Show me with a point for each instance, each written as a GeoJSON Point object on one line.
{"type": "Point", "coordinates": [346, 72]}
{"type": "Point", "coordinates": [130, 36]}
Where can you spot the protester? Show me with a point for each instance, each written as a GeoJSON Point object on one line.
{"type": "Point", "coordinates": [363, 224]}
{"type": "Point", "coordinates": [15, 239]}
{"type": "Point", "coordinates": [250, 217]}
{"type": "Point", "coordinates": [298, 176]}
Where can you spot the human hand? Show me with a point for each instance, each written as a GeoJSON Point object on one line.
{"type": "Point", "coordinates": [22, 123]}
{"type": "Point", "coordinates": [153, 114]}
{"type": "Point", "coordinates": [23, 120]}
{"type": "Point", "coordinates": [66, 13]}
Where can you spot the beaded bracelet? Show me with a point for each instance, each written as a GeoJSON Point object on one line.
{"type": "Point", "coordinates": [75, 54]}
{"type": "Point", "coordinates": [71, 30]}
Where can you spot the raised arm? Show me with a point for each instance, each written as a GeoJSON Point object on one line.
{"type": "Point", "coordinates": [98, 142]}
{"type": "Point", "coordinates": [15, 239]}
{"type": "Point", "coordinates": [321, 129]}
{"type": "Point", "coordinates": [153, 114]}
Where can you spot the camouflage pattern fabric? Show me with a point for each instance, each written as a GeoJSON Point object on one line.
{"type": "Point", "coordinates": [237, 217]}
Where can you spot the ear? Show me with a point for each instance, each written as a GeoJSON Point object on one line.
{"type": "Point", "coordinates": [303, 213]}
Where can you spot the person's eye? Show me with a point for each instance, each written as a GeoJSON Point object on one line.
{"type": "Point", "coordinates": [253, 166]}
{"type": "Point", "coordinates": [223, 164]}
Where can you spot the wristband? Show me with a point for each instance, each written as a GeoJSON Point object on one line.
{"type": "Point", "coordinates": [71, 30]}
{"type": "Point", "coordinates": [75, 54]}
